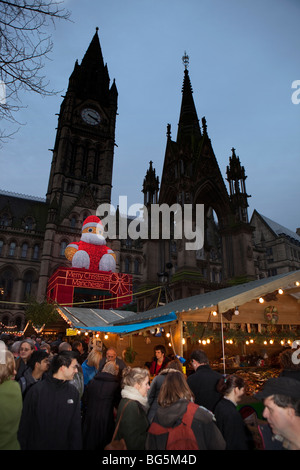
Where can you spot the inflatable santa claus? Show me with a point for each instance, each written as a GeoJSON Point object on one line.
{"type": "Point", "coordinates": [91, 251]}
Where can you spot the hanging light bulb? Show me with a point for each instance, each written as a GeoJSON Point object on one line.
{"type": "Point", "coordinates": [280, 291]}
{"type": "Point", "coordinates": [261, 300]}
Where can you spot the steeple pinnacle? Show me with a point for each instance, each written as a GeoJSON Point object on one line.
{"type": "Point", "coordinates": [188, 121]}
{"type": "Point", "coordinates": [185, 60]}
{"type": "Point", "coordinates": [150, 186]}
{"type": "Point", "coordinates": [236, 178]}
{"type": "Point", "coordinates": [91, 79]}
{"type": "Point", "coordinates": [93, 53]}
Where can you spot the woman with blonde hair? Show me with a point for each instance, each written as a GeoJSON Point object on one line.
{"type": "Point", "coordinates": [133, 408]}
{"type": "Point", "coordinates": [90, 366]}
{"type": "Point", "coordinates": [11, 402]}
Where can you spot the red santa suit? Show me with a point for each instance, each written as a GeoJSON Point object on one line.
{"type": "Point", "coordinates": [91, 251]}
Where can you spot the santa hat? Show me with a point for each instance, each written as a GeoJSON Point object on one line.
{"type": "Point", "coordinates": [91, 221]}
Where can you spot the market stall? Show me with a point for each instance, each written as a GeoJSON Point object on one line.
{"type": "Point", "coordinates": [262, 310]}
{"type": "Point", "coordinates": [241, 328]}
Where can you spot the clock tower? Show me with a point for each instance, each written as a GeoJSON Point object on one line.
{"type": "Point", "coordinates": [83, 153]}
{"type": "Point", "coordinates": [82, 164]}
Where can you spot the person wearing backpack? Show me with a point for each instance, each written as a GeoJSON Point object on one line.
{"type": "Point", "coordinates": [156, 386]}
{"type": "Point", "coordinates": [179, 423]}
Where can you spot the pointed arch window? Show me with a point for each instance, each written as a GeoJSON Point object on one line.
{"type": "Point", "coordinates": [7, 283]}
{"type": "Point", "coordinates": [27, 284]}
{"type": "Point", "coordinates": [36, 252]}
{"type": "Point", "coordinates": [72, 159]}
{"type": "Point", "coordinates": [84, 160]}
{"type": "Point", "coordinates": [98, 156]}
{"type": "Point", "coordinates": [24, 250]}
{"type": "Point", "coordinates": [127, 265]}
{"type": "Point", "coordinates": [73, 222]}
{"type": "Point", "coordinates": [136, 266]}
{"type": "Point", "coordinates": [12, 249]}
{"type": "Point", "coordinates": [63, 246]}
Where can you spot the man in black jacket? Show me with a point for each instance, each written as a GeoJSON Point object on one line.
{"type": "Point", "coordinates": [51, 417]}
{"type": "Point", "coordinates": [203, 381]}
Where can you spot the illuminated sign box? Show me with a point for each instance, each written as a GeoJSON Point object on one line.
{"type": "Point", "coordinates": [98, 289]}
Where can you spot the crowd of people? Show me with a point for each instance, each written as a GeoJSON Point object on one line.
{"type": "Point", "coordinates": [61, 397]}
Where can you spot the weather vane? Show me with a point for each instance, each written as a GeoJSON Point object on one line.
{"type": "Point", "coordinates": [185, 60]}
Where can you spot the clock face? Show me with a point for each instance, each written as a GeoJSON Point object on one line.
{"type": "Point", "coordinates": [90, 116]}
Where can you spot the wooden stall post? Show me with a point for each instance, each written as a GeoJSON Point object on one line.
{"type": "Point", "coordinates": [176, 337]}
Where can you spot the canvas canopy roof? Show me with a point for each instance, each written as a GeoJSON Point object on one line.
{"type": "Point", "coordinates": [102, 320]}
{"type": "Point", "coordinates": [124, 322]}
{"type": "Point", "coordinates": [223, 299]}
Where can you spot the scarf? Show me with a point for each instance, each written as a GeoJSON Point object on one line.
{"type": "Point", "coordinates": [133, 394]}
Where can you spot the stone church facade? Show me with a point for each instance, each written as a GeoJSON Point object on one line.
{"type": "Point", "coordinates": [34, 232]}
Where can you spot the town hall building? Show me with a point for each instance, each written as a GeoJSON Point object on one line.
{"type": "Point", "coordinates": [34, 232]}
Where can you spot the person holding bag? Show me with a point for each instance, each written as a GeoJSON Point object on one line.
{"type": "Point", "coordinates": [132, 421]}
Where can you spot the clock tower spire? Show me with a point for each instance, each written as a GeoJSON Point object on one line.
{"type": "Point", "coordinates": [84, 146]}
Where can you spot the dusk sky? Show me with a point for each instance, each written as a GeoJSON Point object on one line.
{"type": "Point", "coordinates": [244, 57]}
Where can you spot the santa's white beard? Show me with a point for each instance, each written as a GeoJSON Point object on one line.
{"type": "Point", "coordinates": [93, 238]}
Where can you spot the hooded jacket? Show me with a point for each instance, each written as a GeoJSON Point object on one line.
{"type": "Point", "coordinates": [205, 429]}
{"type": "Point", "coordinates": [154, 391]}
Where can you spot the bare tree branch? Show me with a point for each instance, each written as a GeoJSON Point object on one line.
{"type": "Point", "coordinates": [25, 43]}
